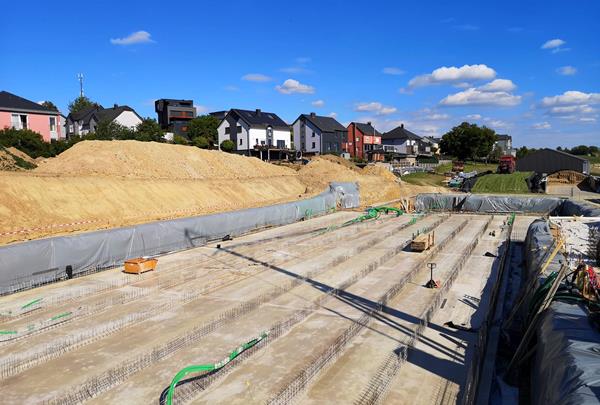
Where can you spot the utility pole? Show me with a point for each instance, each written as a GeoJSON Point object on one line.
{"type": "Point", "coordinates": [80, 78]}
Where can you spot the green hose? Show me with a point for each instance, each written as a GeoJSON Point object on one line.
{"type": "Point", "coordinates": [210, 367]}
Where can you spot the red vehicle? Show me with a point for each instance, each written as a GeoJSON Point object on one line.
{"type": "Point", "coordinates": [507, 164]}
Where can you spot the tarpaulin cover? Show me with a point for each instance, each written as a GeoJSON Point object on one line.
{"type": "Point", "coordinates": [487, 203]}
{"type": "Point", "coordinates": [44, 260]}
{"type": "Point", "coordinates": [566, 368]}
{"type": "Point", "coordinates": [571, 207]}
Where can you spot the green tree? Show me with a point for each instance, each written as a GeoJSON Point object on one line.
{"type": "Point", "coordinates": [180, 140]}
{"type": "Point", "coordinates": [149, 131]}
{"type": "Point", "coordinates": [524, 151]}
{"type": "Point", "coordinates": [50, 105]}
{"type": "Point", "coordinates": [468, 141]}
{"type": "Point", "coordinates": [227, 146]}
{"type": "Point", "coordinates": [107, 130]}
{"type": "Point", "coordinates": [581, 150]}
{"type": "Point", "coordinates": [204, 126]}
{"type": "Point", "coordinates": [25, 140]}
{"type": "Point", "coordinates": [81, 103]}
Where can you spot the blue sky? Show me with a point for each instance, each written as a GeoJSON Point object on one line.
{"type": "Point", "coordinates": [531, 70]}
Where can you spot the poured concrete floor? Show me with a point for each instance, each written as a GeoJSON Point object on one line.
{"type": "Point", "coordinates": [339, 303]}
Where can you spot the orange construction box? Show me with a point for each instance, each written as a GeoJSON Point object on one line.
{"type": "Point", "coordinates": [140, 265]}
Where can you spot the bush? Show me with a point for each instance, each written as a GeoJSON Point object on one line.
{"type": "Point", "coordinates": [227, 146]}
{"type": "Point", "coordinates": [201, 142]}
{"type": "Point", "coordinates": [180, 140]}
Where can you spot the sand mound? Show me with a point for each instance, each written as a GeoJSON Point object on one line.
{"type": "Point", "coordinates": [376, 170]}
{"type": "Point", "coordinates": [373, 188]}
{"type": "Point", "coordinates": [12, 159]}
{"type": "Point", "coordinates": [340, 161]}
{"type": "Point", "coordinates": [152, 160]}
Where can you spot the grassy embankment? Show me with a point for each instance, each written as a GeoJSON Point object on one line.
{"type": "Point", "coordinates": [503, 183]}
{"type": "Point", "coordinates": [437, 178]}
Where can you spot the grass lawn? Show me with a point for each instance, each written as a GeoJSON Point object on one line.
{"type": "Point", "coordinates": [469, 167]}
{"type": "Point", "coordinates": [424, 179]}
{"type": "Point", "coordinates": [503, 183]}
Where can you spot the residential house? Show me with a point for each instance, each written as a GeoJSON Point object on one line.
{"type": "Point", "coordinates": [315, 134]}
{"type": "Point", "coordinates": [429, 145]}
{"type": "Point", "coordinates": [504, 143]}
{"type": "Point", "coordinates": [401, 140]}
{"type": "Point", "coordinates": [175, 115]}
{"type": "Point", "coordinates": [86, 120]}
{"type": "Point", "coordinates": [363, 141]}
{"type": "Point", "coordinates": [20, 113]}
{"type": "Point", "coordinates": [254, 129]}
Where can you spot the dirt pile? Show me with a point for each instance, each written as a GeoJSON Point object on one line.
{"type": "Point", "coordinates": [373, 187]}
{"type": "Point", "coordinates": [12, 159]}
{"type": "Point", "coordinates": [152, 160]}
{"type": "Point", "coordinates": [378, 170]}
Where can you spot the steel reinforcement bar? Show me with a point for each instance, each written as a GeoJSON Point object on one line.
{"type": "Point", "coordinates": [18, 363]}
{"type": "Point", "coordinates": [190, 390]}
{"type": "Point", "coordinates": [331, 353]}
{"type": "Point", "coordinates": [117, 374]}
{"type": "Point", "coordinates": [378, 385]}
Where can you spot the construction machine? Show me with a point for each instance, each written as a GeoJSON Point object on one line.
{"type": "Point", "coordinates": [507, 164]}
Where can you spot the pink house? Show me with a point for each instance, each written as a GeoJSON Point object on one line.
{"type": "Point", "coordinates": [17, 112]}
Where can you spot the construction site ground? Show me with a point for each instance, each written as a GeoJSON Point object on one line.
{"type": "Point", "coordinates": [343, 307]}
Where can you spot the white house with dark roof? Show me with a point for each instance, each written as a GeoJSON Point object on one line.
{"type": "Point", "coordinates": [401, 140]}
{"type": "Point", "coordinates": [504, 143]}
{"type": "Point", "coordinates": [317, 134]}
{"type": "Point", "coordinates": [250, 129]}
{"type": "Point", "coordinates": [86, 120]}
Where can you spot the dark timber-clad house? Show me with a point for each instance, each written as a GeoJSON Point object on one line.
{"type": "Point", "coordinates": [550, 161]}
{"type": "Point", "coordinates": [174, 115]}
{"type": "Point", "coordinates": [317, 134]}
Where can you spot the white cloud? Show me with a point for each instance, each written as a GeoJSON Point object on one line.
{"type": "Point", "coordinates": [318, 103]}
{"type": "Point", "coordinates": [541, 125]}
{"type": "Point", "coordinates": [138, 37]}
{"type": "Point", "coordinates": [295, 70]}
{"type": "Point", "coordinates": [475, 96]}
{"type": "Point", "coordinates": [572, 97]}
{"type": "Point", "coordinates": [436, 117]}
{"type": "Point", "coordinates": [570, 109]}
{"type": "Point", "coordinates": [474, 116]}
{"type": "Point", "coordinates": [453, 74]}
{"type": "Point", "coordinates": [256, 77]}
{"type": "Point", "coordinates": [393, 71]}
{"type": "Point", "coordinates": [291, 86]}
{"type": "Point", "coordinates": [553, 44]}
{"type": "Point", "coordinates": [566, 70]}
{"type": "Point", "coordinates": [498, 85]}
{"type": "Point", "coordinates": [333, 114]}
{"type": "Point", "coordinates": [231, 88]}
{"type": "Point", "coordinates": [497, 124]}
{"type": "Point", "coordinates": [466, 27]}
{"type": "Point", "coordinates": [587, 119]}
{"type": "Point", "coordinates": [375, 107]}
{"type": "Point", "coordinates": [201, 109]}
{"type": "Point", "coordinates": [303, 59]}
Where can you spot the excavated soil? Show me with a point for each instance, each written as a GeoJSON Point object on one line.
{"type": "Point", "coordinates": [105, 184]}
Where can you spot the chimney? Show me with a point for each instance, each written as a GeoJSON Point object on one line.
{"type": "Point", "coordinates": [258, 111]}
{"type": "Point", "coordinates": [402, 125]}
{"type": "Point", "coordinates": [312, 114]}
{"type": "Point", "coordinates": [368, 122]}
{"type": "Point", "coordinates": [116, 105]}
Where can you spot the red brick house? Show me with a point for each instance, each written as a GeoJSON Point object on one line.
{"type": "Point", "coordinates": [362, 140]}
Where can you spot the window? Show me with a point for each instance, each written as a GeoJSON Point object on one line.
{"type": "Point", "coordinates": [71, 128]}
{"type": "Point", "coordinates": [314, 145]}
{"type": "Point", "coordinates": [241, 141]}
{"type": "Point", "coordinates": [313, 134]}
{"type": "Point", "coordinates": [239, 129]}
{"type": "Point", "coordinates": [227, 130]}
{"type": "Point", "coordinates": [52, 124]}
{"type": "Point", "coordinates": [18, 121]}
{"type": "Point", "coordinates": [280, 143]}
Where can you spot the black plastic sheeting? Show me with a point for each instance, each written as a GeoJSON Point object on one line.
{"type": "Point", "coordinates": [24, 265]}
{"type": "Point", "coordinates": [504, 204]}
{"type": "Point", "coordinates": [566, 367]}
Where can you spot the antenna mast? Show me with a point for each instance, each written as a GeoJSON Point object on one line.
{"type": "Point", "coordinates": [80, 78]}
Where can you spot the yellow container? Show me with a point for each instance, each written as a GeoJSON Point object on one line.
{"type": "Point", "coordinates": [140, 265]}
